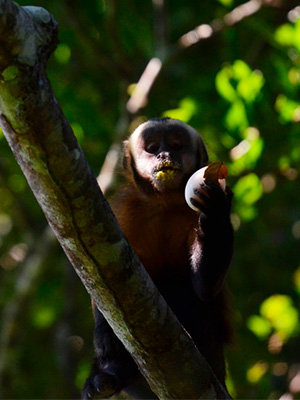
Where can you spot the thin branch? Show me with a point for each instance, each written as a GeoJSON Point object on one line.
{"type": "Point", "coordinates": [294, 14]}
{"type": "Point", "coordinates": [140, 93]}
{"type": "Point", "coordinates": [205, 31]}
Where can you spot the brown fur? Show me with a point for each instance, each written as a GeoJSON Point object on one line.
{"type": "Point", "coordinates": [161, 234]}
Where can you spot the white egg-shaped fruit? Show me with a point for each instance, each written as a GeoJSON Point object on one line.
{"type": "Point", "coordinates": [194, 182]}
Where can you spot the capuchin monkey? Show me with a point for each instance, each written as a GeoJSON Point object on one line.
{"type": "Point", "coordinates": [186, 253]}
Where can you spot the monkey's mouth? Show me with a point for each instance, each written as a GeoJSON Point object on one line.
{"type": "Point", "coordinates": [166, 171]}
{"type": "Point", "coordinates": [166, 165]}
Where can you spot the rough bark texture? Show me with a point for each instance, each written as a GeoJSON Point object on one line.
{"type": "Point", "coordinates": [56, 169]}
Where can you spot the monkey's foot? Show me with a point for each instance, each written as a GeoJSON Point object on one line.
{"type": "Point", "coordinates": [100, 386]}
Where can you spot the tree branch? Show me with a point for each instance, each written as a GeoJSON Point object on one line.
{"type": "Point", "coordinates": [57, 171]}
{"type": "Point", "coordinates": [205, 31]}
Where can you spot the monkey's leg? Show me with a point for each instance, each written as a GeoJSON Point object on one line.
{"type": "Point", "coordinates": [113, 367]}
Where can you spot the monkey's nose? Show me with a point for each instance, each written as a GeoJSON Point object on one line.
{"type": "Point", "coordinates": [164, 155]}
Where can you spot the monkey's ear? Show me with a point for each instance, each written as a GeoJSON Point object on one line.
{"type": "Point", "coordinates": [201, 154]}
{"type": "Point", "coordinates": [128, 162]}
{"type": "Point", "coordinates": [126, 155]}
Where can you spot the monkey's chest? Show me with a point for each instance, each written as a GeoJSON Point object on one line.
{"type": "Point", "coordinates": [165, 260]}
{"type": "Point", "coordinates": [164, 250]}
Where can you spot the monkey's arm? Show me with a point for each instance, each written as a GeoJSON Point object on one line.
{"type": "Point", "coordinates": [213, 246]}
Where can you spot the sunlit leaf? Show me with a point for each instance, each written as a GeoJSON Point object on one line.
{"type": "Point", "coordinates": [284, 35]}
{"type": "Point", "coordinates": [226, 3]}
{"type": "Point", "coordinates": [187, 109]}
{"type": "Point", "coordinates": [238, 81]}
{"type": "Point", "coordinates": [236, 117]}
{"type": "Point", "coordinates": [247, 212]}
{"type": "Point", "coordinates": [275, 305]}
{"type": "Point", "coordinates": [248, 189]}
{"type": "Point", "coordinates": [289, 110]}
{"type": "Point", "coordinates": [261, 327]}
{"type": "Point", "coordinates": [241, 70]}
{"type": "Point", "coordinates": [223, 84]}
{"type": "Point", "coordinates": [281, 313]}
{"type": "Point", "coordinates": [245, 155]}
{"type": "Point", "coordinates": [44, 317]}
{"type": "Point", "coordinates": [257, 371]}
{"type": "Point", "coordinates": [230, 383]}
{"type": "Point", "coordinates": [62, 53]}
{"type": "Point", "coordinates": [250, 87]}
{"type": "Point", "coordinates": [288, 35]}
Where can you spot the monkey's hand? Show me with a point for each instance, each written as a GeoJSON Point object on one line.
{"type": "Point", "coordinates": [213, 203]}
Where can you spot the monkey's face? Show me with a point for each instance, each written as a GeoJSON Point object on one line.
{"type": "Point", "coordinates": [164, 153]}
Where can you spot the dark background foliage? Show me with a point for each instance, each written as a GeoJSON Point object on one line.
{"type": "Point", "coordinates": [240, 88]}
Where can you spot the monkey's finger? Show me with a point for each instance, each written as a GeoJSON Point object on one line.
{"type": "Point", "coordinates": [201, 191]}
{"type": "Point", "coordinates": [215, 193]}
{"type": "Point", "coordinates": [199, 204]}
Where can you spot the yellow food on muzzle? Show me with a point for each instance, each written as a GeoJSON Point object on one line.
{"type": "Point", "coordinates": [166, 175]}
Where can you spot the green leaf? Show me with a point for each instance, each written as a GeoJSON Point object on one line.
{"type": "Point", "coordinates": [236, 117]}
{"type": "Point", "coordinates": [284, 35]}
{"type": "Point", "coordinates": [226, 3]}
{"type": "Point", "coordinates": [289, 110]}
{"type": "Point", "coordinates": [256, 372]}
{"type": "Point", "coordinates": [248, 189]}
{"type": "Point", "coordinates": [288, 35]}
{"type": "Point", "coordinates": [282, 315]}
{"type": "Point", "coordinates": [249, 88]}
{"type": "Point", "coordinates": [238, 81]}
{"type": "Point", "coordinates": [246, 154]}
{"type": "Point", "coordinates": [44, 316]}
{"type": "Point", "coordinates": [241, 70]}
{"type": "Point", "coordinates": [261, 327]}
{"type": "Point", "coordinates": [187, 109]}
{"type": "Point", "coordinates": [62, 53]}
{"type": "Point", "coordinates": [223, 85]}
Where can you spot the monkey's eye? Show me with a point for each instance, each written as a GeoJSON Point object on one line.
{"type": "Point", "coordinates": [175, 144]}
{"type": "Point", "coordinates": [152, 147]}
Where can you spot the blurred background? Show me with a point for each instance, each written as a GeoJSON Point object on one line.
{"type": "Point", "coordinates": [236, 79]}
